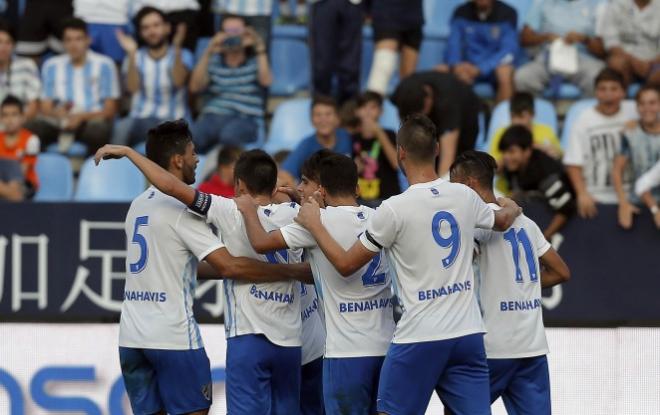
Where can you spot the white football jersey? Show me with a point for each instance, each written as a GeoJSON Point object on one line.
{"type": "Point", "coordinates": [271, 309]}
{"type": "Point", "coordinates": [164, 244]}
{"type": "Point", "coordinates": [313, 328]}
{"type": "Point", "coordinates": [428, 234]}
{"type": "Point", "coordinates": [357, 309]}
{"type": "Point", "coordinates": [510, 289]}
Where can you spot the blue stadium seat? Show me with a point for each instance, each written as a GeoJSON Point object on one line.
{"type": "Point", "coordinates": [484, 90]}
{"type": "Point", "coordinates": [291, 123]}
{"type": "Point", "coordinates": [431, 53]}
{"type": "Point", "coordinates": [55, 177]}
{"type": "Point", "coordinates": [200, 168]}
{"type": "Point", "coordinates": [77, 149]}
{"type": "Point", "coordinates": [403, 181]}
{"type": "Point", "coordinates": [390, 117]}
{"type": "Point", "coordinates": [571, 116]}
{"type": "Point", "coordinates": [141, 148]}
{"type": "Point", "coordinates": [202, 44]}
{"type": "Point", "coordinates": [291, 66]}
{"type": "Point", "coordinates": [437, 17]}
{"type": "Point", "coordinates": [566, 91]}
{"type": "Point", "coordinates": [481, 136]}
{"type": "Point", "coordinates": [522, 7]}
{"type": "Point", "coordinates": [111, 181]}
{"type": "Point", "coordinates": [545, 114]}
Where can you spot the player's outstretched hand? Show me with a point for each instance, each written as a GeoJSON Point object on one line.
{"type": "Point", "coordinates": [309, 214]}
{"type": "Point", "coordinates": [506, 202]}
{"type": "Point", "coordinates": [110, 151]}
{"type": "Point", "coordinates": [245, 203]}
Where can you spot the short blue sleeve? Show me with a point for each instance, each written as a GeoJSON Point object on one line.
{"type": "Point", "coordinates": [293, 163]}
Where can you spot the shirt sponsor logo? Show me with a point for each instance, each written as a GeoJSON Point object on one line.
{"type": "Point", "coordinates": [444, 291]}
{"type": "Point", "coordinates": [369, 305]}
{"type": "Point", "coordinates": [149, 296]}
{"type": "Point", "coordinates": [525, 305]}
{"type": "Point", "coordinates": [311, 309]}
{"type": "Point", "coordinates": [275, 296]}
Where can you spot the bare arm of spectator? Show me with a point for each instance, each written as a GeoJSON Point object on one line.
{"type": "Point", "coordinates": [448, 146]}
{"type": "Point", "coordinates": [626, 209]}
{"type": "Point", "coordinates": [252, 39]}
{"type": "Point", "coordinates": [529, 37]}
{"type": "Point", "coordinates": [179, 70]}
{"type": "Point", "coordinates": [585, 202]}
{"type": "Point", "coordinates": [130, 47]}
{"type": "Point", "coordinates": [11, 190]}
{"type": "Point", "coordinates": [200, 75]}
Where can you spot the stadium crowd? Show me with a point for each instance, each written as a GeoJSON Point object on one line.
{"type": "Point", "coordinates": [94, 72]}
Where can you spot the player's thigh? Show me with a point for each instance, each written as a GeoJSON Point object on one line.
{"type": "Point", "coordinates": [528, 392]}
{"type": "Point", "coordinates": [464, 386]}
{"type": "Point", "coordinates": [311, 388]}
{"type": "Point", "coordinates": [140, 381]}
{"type": "Point", "coordinates": [248, 375]}
{"type": "Point", "coordinates": [285, 380]}
{"type": "Point", "coordinates": [501, 371]}
{"type": "Point", "coordinates": [410, 373]}
{"type": "Point", "coordinates": [350, 385]}
{"type": "Point", "coordinates": [184, 379]}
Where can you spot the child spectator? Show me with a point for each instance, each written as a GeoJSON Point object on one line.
{"type": "Point", "coordinates": [18, 143]}
{"type": "Point", "coordinates": [325, 119]}
{"type": "Point", "coordinates": [528, 169]}
{"type": "Point", "coordinates": [11, 181]}
{"type": "Point", "coordinates": [522, 113]}
{"type": "Point", "coordinates": [594, 140]}
{"type": "Point", "coordinates": [640, 150]}
{"type": "Point", "coordinates": [374, 151]}
{"type": "Point", "coordinates": [222, 181]}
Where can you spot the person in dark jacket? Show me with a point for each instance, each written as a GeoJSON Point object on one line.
{"type": "Point", "coordinates": [483, 43]}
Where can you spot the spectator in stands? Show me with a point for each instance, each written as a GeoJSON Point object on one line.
{"type": "Point", "coordinates": [529, 170]}
{"type": "Point", "coordinates": [257, 14]}
{"type": "Point", "coordinates": [104, 18]}
{"type": "Point", "coordinates": [18, 76]}
{"type": "Point", "coordinates": [18, 143]}
{"type": "Point", "coordinates": [178, 12]}
{"type": "Point", "coordinates": [640, 150]}
{"type": "Point", "coordinates": [646, 188]}
{"type": "Point", "coordinates": [593, 141]}
{"type": "Point", "coordinates": [522, 113]}
{"type": "Point", "coordinates": [483, 43]}
{"type": "Point", "coordinates": [573, 21]}
{"type": "Point", "coordinates": [374, 152]}
{"type": "Point", "coordinates": [156, 74]}
{"type": "Point", "coordinates": [222, 181]}
{"type": "Point", "coordinates": [631, 32]}
{"type": "Point", "coordinates": [325, 119]}
{"type": "Point", "coordinates": [449, 103]}
{"type": "Point", "coordinates": [398, 35]}
{"type": "Point", "coordinates": [41, 26]}
{"type": "Point", "coordinates": [80, 91]}
{"type": "Point", "coordinates": [231, 72]}
{"type": "Point", "coordinates": [11, 181]}
{"type": "Point", "coordinates": [335, 33]}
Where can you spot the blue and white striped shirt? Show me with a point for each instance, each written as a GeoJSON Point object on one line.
{"type": "Point", "coordinates": [244, 7]}
{"type": "Point", "coordinates": [233, 90]}
{"type": "Point", "coordinates": [85, 87]}
{"type": "Point", "coordinates": [158, 97]}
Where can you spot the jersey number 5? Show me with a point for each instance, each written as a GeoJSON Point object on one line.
{"type": "Point", "coordinates": [452, 241]}
{"type": "Point", "coordinates": [520, 237]}
{"type": "Point", "coordinates": [138, 239]}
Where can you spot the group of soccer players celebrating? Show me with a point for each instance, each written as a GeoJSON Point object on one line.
{"type": "Point", "coordinates": [309, 287]}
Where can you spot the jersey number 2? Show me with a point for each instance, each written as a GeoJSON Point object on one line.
{"type": "Point", "coordinates": [520, 237]}
{"type": "Point", "coordinates": [138, 239]}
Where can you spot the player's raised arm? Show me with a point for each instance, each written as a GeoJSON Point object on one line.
{"type": "Point", "coordinates": [164, 181]}
{"type": "Point", "coordinates": [504, 217]}
{"type": "Point", "coordinates": [554, 269]}
{"type": "Point", "coordinates": [346, 262]}
{"type": "Point", "coordinates": [252, 270]}
{"type": "Point", "coordinates": [261, 241]}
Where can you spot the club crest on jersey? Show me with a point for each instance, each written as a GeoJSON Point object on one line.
{"type": "Point", "coordinates": [207, 391]}
{"type": "Point", "coordinates": [267, 212]}
{"type": "Point", "coordinates": [151, 195]}
{"type": "Point", "coordinates": [361, 216]}
{"type": "Point", "coordinates": [434, 192]}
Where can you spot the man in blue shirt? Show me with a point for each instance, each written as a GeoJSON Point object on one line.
{"type": "Point", "coordinates": [483, 44]}
{"type": "Point", "coordinates": [325, 119]}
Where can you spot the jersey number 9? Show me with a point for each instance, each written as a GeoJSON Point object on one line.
{"type": "Point", "coordinates": [452, 241]}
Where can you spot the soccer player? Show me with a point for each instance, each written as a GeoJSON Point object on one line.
{"type": "Point", "coordinates": [428, 232]}
{"type": "Point", "coordinates": [513, 266]}
{"type": "Point", "coordinates": [163, 361]}
{"type": "Point", "coordinates": [262, 321]}
{"type": "Point", "coordinates": [357, 307]}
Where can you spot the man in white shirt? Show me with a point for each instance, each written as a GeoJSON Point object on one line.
{"type": "Point", "coordinates": [80, 90]}
{"type": "Point", "coordinates": [164, 364]}
{"type": "Point", "coordinates": [428, 235]}
{"type": "Point", "coordinates": [357, 308]}
{"type": "Point", "coordinates": [510, 282]}
{"type": "Point", "coordinates": [156, 74]}
{"type": "Point", "coordinates": [594, 140]}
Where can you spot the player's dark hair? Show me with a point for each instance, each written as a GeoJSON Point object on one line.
{"type": "Point", "coordinates": [521, 102]}
{"type": "Point", "coordinates": [478, 165]}
{"type": "Point", "coordinates": [258, 171]}
{"type": "Point", "coordinates": [229, 154]}
{"type": "Point", "coordinates": [74, 23]}
{"type": "Point", "coordinates": [6, 27]}
{"type": "Point", "coordinates": [609, 74]}
{"type": "Point", "coordinates": [166, 140]}
{"type": "Point", "coordinates": [646, 88]}
{"type": "Point", "coordinates": [418, 137]}
{"type": "Point", "coordinates": [12, 101]}
{"type": "Point", "coordinates": [369, 96]}
{"type": "Point", "coordinates": [516, 136]}
{"type": "Point", "coordinates": [409, 97]}
{"type": "Point", "coordinates": [145, 11]}
{"type": "Point", "coordinates": [338, 175]}
{"type": "Point", "coordinates": [324, 100]}
{"type": "Point", "coordinates": [311, 168]}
